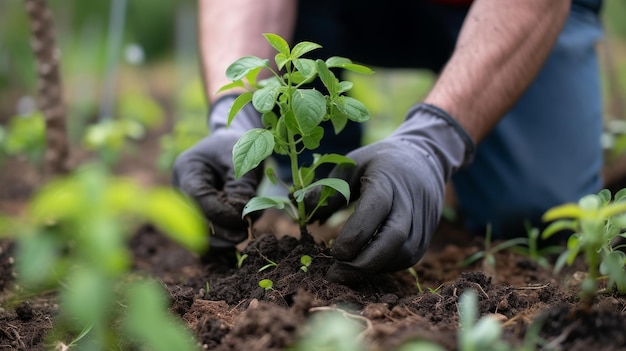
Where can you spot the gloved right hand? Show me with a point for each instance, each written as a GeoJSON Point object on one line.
{"type": "Point", "coordinates": [205, 172]}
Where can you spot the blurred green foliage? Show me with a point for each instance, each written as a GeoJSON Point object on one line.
{"type": "Point", "coordinates": [24, 135]}
{"type": "Point", "coordinates": [77, 228]}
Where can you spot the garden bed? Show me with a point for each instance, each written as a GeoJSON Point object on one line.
{"type": "Point", "coordinates": [227, 310]}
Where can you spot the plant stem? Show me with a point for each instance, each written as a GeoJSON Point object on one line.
{"type": "Point", "coordinates": [297, 185]}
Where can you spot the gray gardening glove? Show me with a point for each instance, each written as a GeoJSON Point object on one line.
{"type": "Point", "coordinates": [205, 172]}
{"type": "Point", "coordinates": [398, 184]}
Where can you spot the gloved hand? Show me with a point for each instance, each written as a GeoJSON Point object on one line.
{"type": "Point", "coordinates": [205, 172]}
{"type": "Point", "coordinates": [399, 185]}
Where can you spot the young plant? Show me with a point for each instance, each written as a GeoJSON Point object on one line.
{"type": "Point", "coordinates": [534, 252]}
{"type": "Point", "coordinates": [306, 261]}
{"type": "Point", "coordinates": [73, 239]}
{"type": "Point", "coordinates": [596, 222]}
{"type": "Point", "coordinates": [474, 334]}
{"type": "Point", "coordinates": [488, 254]}
{"type": "Point", "coordinates": [291, 115]}
{"type": "Point", "coordinates": [266, 284]}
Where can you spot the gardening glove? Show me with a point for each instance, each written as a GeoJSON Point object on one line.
{"type": "Point", "coordinates": [205, 172]}
{"type": "Point", "coordinates": [399, 185]}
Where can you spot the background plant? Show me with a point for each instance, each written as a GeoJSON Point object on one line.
{"type": "Point", "coordinates": [77, 227]}
{"type": "Point", "coordinates": [595, 222]}
{"type": "Point", "coordinates": [296, 127]}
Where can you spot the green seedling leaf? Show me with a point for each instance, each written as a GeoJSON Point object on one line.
{"type": "Point", "coordinates": [336, 184]}
{"type": "Point", "coordinates": [345, 63]}
{"type": "Point", "coordinates": [558, 226]}
{"type": "Point", "coordinates": [269, 120]}
{"type": "Point", "coordinates": [564, 211]}
{"type": "Point", "coordinates": [312, 140]}
{"type": "Point", "coordinates": [302, 48]}
{"type": "Point", "coordinates": [612, 210]}
{"type": "Point", "coordinates": [238, 104]}
{"type": "Point", "coordinates": [252, 148]}
{"type": "Point", "coordinates": [178, 217]}
{"type": "Point", "coordinates": [266, 284]}
{"type": "Point", "coordinates": [271, 175]}
{"type": "Point", "coordinates": [278, 43]}
{"type": "Point", "coordinates": [305, 260]}
{"type": "Point", "coordinates": [264, 99]}
{"type": "Point", "coordinates": [258, 203]}
{"type": "Point", "coordinates": [309, 108]}
{"type": "Point", "coordinates": [353, 109]}
{"type": "Point", "coordinates": [147, 319]}
{"type": "Point", "coordinates": [240, 68]}
{"type": "Point", "coordinates": [328, 78]}
{"type": "Point", "coordinates": [620, 195]}
{"type": "Point", "coordinates": [306, 68]}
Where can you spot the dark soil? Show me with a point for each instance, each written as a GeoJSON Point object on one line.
{"type": "Point", "coordinates": [236, 314]}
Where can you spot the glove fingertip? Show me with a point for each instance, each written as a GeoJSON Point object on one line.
{"type": "Point", "coordinates": [342, 273]}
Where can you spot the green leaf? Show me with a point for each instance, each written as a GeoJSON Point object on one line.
{"type": "Point", "coordinates": [269, 120]}
{"type": "Point", "coordinates": [560, 225]}
{"type": "Point", "coordinates": [278, 43]}
{"type": "Point", "coordinates": [266, 284]}
{"type": "Point", "coordinates": [312, 140]}
{"type": "Point", "coordinates": [178, 217]}
{"type": "Point", "coordinates": [271, 175]}
{"type": "Point", "coordinates": [302, 48]}
{"type": "Point", "coordinates": [337, 184]}
{"type": "Point", "coordinates": [605, 196]}
{"type": "Point", "coordinates": [87, 287]}
{"type": "Point", "coordinates": [328, 78]}
{"type": "Point", "coordinates": [252, 148]}
{"type": "Point", "coordinates": [309, 107]}
{"type": "Point", "coordinates": [238, 104]}
{"type": "Point", "coordinates": [620, 195]}
{"type": "Point", "coordinates": [353, 109]}
{"type": "Point", "coordinates": [240, 68]}
{"type": "Point", "coordinates": [258, 203]}
{"type": "Point", "coordinates": [281, 60]}
{"type": "Point", "coordinates": [307, 68]}
{"type": "Point", "coordinates": [345, 86]}
{"type": "Point", "coordinates": [148, 321]}
{"type": "Point", "coordinates": [264, 99]}
{"type": "Point", "coordinates": [318, 160]}
{"type": "Point", "coordinates": [612, 210]}
{"type": "Point", "coordinates": [563, 211]}
{"type": "Point", "coordinates": [339, 121]}
{"type": "Point", "coordinates": [347, 64]}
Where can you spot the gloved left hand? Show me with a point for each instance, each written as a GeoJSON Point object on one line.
{"type": "Point", "coordinates": [399, 185]}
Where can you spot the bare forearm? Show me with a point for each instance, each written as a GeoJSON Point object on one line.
{"type": "Point", "coordinates": [502, 46]}
{"type": "Point", "coordinates": [231, 29]}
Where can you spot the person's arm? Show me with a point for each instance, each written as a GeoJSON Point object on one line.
{"type": "Point", "coordinates": [501, 47]}
{"type": "Point", "coordinates": [232, 29]}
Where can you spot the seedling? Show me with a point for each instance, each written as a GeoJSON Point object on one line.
{"type": "Point", "coordinates": [266, 284]}
{"type": "Point", "coordinates": [240, 258]}
{"type": "Point", "coordinates": [596, 222]}
{"type": "Point", "coordinates": [535, 253]}
{"type": "Point", "coordinates": [305, 260]}
{"type": "Point", "coordinates": [488, 254]}
{"type": "Point", "coordinates": [269, 264]}
{"type": "Point", "coordinates": [291, 116]}
{"type": "Point", "coordinates": [477, 334]}
{"type": "Point", "coordinates": [77, 227]}
{"type": "Point", "coordinates": [413, 272]}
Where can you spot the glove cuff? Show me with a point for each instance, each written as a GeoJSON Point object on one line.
{"type": "Point", "coordinates": [247, 118]}
{"type": "Point", "coordinates": [442, 136]}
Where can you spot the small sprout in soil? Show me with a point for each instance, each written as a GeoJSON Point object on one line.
{"type": "Point", "coordinates": [292, 115]}
{"type": "Point", "coordinates": [305, 260]}
{"type": "Point", "coordinates": [240, 258]}
{"type": "Point", "coordinates": [533, 252]}
{"type": "Point", "coordinates": [488, 254]}
{"type": "Point", "coordinates": [412, 271]}
{"type": "Point", "coordinates": [477, 334]}
{"type": "Point", "coordinates": [266, 284]}
{"type": "Point", "coordinates": [596, 222]}
{"type": "Point", "coordinates": [268, 265]}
